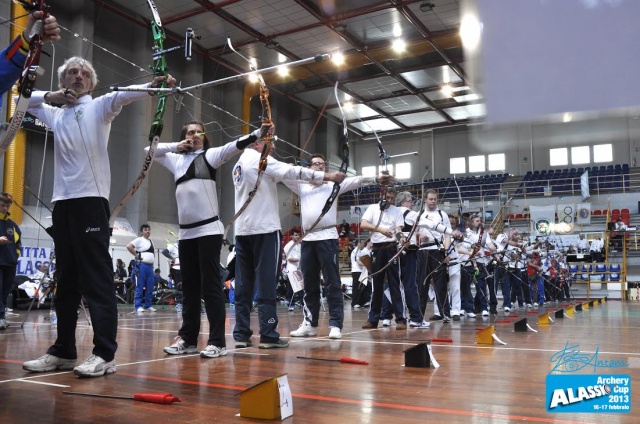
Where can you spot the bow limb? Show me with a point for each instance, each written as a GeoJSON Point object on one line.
{"type": "Point", "coordinates": [30, 71]}
{"type": "Point", "coordinates": [159, 69]}
{"type": "Point", "coordinates": [344, 165]}
{"type": "Point", "coordinates": [266, 149]}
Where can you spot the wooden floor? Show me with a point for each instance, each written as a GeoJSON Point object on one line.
{"type": "Point", "coordinates": [474, 383]}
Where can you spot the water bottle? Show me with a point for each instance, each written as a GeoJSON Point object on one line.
{"type": "Point", "coordinates": [53, 318]}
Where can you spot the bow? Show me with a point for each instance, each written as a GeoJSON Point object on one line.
{"type": "Point", "coordinates": [30, 71]}
{"type": "Point", "coordinates": [266, 150]}
{"type": "Point", "coordinates": [344, 141]}
{"type": "Point", "coordinates": [159, 69]}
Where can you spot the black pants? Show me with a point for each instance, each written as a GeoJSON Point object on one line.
{"type": "Point", "coordinates": [200, 269]}
{"type": "Point", "coordinates": [84, 268]}
{"type": "Point", "coordinates": [431, 268]}
{"type": "Point", "coordinates": [7, 275]}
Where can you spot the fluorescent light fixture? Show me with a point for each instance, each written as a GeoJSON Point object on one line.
{"type": "Point", "coordinates": [399, 45]}
{"type": "Point", "coordinates": [338, 58]}
{"type": "Point", "coordinates": [283, 70]}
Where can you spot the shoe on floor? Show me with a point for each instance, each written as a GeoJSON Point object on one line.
{"type": "Point", "coordinates": [274, 345]}
{"type": "Point", "coordinates": [435, 318]}
{"type": "Point", "coordinates": [368, 325]}
{"type": "Point", "coordinates": [455, 317]}
{"type": "Point", "coordinates": [386, 323]}
{"type": "Point", "coordinates": [470, 315]}
{"type": "Point", "coordinates": [49, 363]}
{"type": "Point", "coordinates": [335, 333]}
{"type": "Point", "coordinates": [151, 309]}
{"type": "Point", "coordinates": [367, 304]}
{"type": "Point", "coordinates": [95, 366]}
{"type": "Point", "coordinates": [507, 309]}
{"type": "Point", "coordinates": [446, 319]}
{"type": "Point", "coordinates": [423, 324]}
{"type": "Point", "coordinates": [401, 326]}
{"type": "Point", "coordinates": [213, 352]}
{"type": "Point", "coordinates": [305, 329]}
{"type": "Point", "coordinates": [3, 324]}
{"type": "Point", "coordinates": [242, 344]}
{"type": "Point", "coordinates": [357, 306]}
{"type": "Point", "coordinates": [180, 347]}
{"type": "Point", "coordinates": [291, 308]}
{"type": "Point", "coordinates": [140, 309]}
{"type": "Point", "coordinates": [485, 313]}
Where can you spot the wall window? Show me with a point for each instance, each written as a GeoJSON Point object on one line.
{"type": "Point", "coordinates": [603, 153]}
{"type": "Point", "coordinates": [497, 162]}
{"type": "Point", "coordinates": [368, 171]}
{"type": "Point", "coordinates": [403, 171]}
{"type": "Point", "coordinates": [477, 164]}
{"type": "Point", "coordinates": [580, 155]}
{"type": "Point", "coordinates": [457, 166]}
{"type": "Point", "coordinates": [558, 157]}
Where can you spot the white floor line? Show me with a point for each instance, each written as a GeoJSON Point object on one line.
{"type": "Point", "coordinates": [42, 382]}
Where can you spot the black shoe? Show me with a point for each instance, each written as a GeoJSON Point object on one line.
{"type": "Point", "coordinates": [274, 345]}
{"type": "Point", "coordinates": [456, 317]}
{"type": "Point", "coordinates": [435, 318]}
{"type": "Point", "coordinates": [493, 311]}
{"type": "Point", "coordinates": [243, 344]}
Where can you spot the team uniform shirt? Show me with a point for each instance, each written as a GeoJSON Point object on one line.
{"type": "Point", "coordinates": [11, 62]}
{"type": "Point", "coordinates": [313, 198]}
{"type": "Point", "coordinates": [483, 255]}
{"type": "Point", "coordinates": [196, 196]}
{"type": "Point", "coordinates": [355, 266]}
{"type": "Point", "coordinates": [410, 217]}
{"type": "Point", "coordinates": [144, 248]}
{"type": "Point", "coordinates": [82, 131]}
{"type": "Point", "coordinates": [10, 252]}
{"type": "Point", "coordinates": [391, 218]}
{"type": "Point", "coordinates": [262, 214]}
{"type": "Point", "coordinates": [597, 245]}
{"type": "Point", "coordinates": [431, 239]}
{"type": "Point", "coordinates": [583, 245]}
{"type": "Point", "coordinates": [291, 251]}
{"type": "Point", "coordinates": [175, 254]}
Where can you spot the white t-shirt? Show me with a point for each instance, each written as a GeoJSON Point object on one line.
{"type": "Point", "coordinates": [391, 218]}
{"type": "Point", "coordinates": [80, 156]}
{"type": "Point", "coordinates": [313, 197]}
{"type": "Point", "coordinates": [262, 215]}
{"type": "Point", "coordinates": [294, 253]}
{"type": "Point", "coordinates": [142, 245]}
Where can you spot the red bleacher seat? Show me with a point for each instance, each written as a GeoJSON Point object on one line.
{"type": "Point", "coordinates": [596, 212]}
{"type": "Point", "coordinates": [518, 216]}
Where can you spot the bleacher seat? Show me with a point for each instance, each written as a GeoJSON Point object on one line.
{"type": "Point", "coordinates": [614, 268]}
{"type": "Point", "coordinates": [614, 276]}
{"type": "Point", "coordinates": [596, 212]}
{"type": "Point", "coordinates": [601, 268]}
{"type": "Point", "coordinates": [573, 268]}
{"type": "Point", "coordinates": [586, 268]}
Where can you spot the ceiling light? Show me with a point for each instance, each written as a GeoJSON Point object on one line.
{"type": "Point", "coordinates": [338, 58]}
{"type": "Point", "coordinates": [281, 58]}
{"type": "Point", "coordinates": [283, 70]}
{"type": "Point", "coordinates": [567, 117]}
{"type": "Point", "coordinates": [426, 6]}
{"type": "Point", "coordinates": [253, 77]}
{"type": "Point", "coordinates": [399, 45]}
{"type": "Point", "coordinates": [397, 30]}
{"type": "Point", "coordinates": [470, 31]}
{"type": "Point", "coordinates": [347, 106]}
{"type": "Point", "coordinates": [447, 91]}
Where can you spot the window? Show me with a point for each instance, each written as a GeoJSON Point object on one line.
{"type": "Point", "coordinates": [603, 153]}
{"type": "Point", "coordinates": [476, 164]}
{"type": "Point", "coordinates": [580, 155]}
{"type": "Point", "coordinates": [389, 168]}
{"type": "Point", "coordinates": [403, 171]}
{"type": "Point", "coordinates": [558, 157]}
{"type": "Point", "coordinates": [457, 166]}
{"type": "Point", "coordinates": [368, 171]}
{"type": "Point", "coordinates": [497, 162]}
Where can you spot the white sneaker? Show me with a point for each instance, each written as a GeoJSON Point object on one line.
{"type": "Point", "coordinates": [423, 324]}
{"type": "Point", "coordinates": [213, 352]}
{"type": "Point", "coordinates": [140, 309]}
{"type": "Point", "coordinates": [386, 323]}
{"type": "Point", "coordinates": [367, 304]}
{"type": "Point", "coordinates": [535, 304]}
{"type": "Point", "coordinates": [49, 363]}
{"type": "Point", "coordinates": [529, 305]}
{"type": "Point", "coordinates": [305, 329]}
{"type": "Point", "coordinates": [335, 333]}
{"type": "Point", "coordinates": [470, 314]}
{"type": "Point", "coordinates": [485, 313]}
{"type": "Point", "coordinates": [507, 309]}
{"type": "Point", "coordinates": [95, 366]}
{"type": "Point", "coordinates": [180, 347]}
{"type": "Point", "coordinates": [151, 309]}
{"type": "Point", "coordinates": [3, 324]}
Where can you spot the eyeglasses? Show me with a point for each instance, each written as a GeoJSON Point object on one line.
{"type": "Point", "coordinates": [194, 132]}
{"type": "Point", "coordinates": [317, 163]}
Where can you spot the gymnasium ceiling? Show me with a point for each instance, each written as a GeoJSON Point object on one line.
{"type": "Point", "coordinates": [390, 92]}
